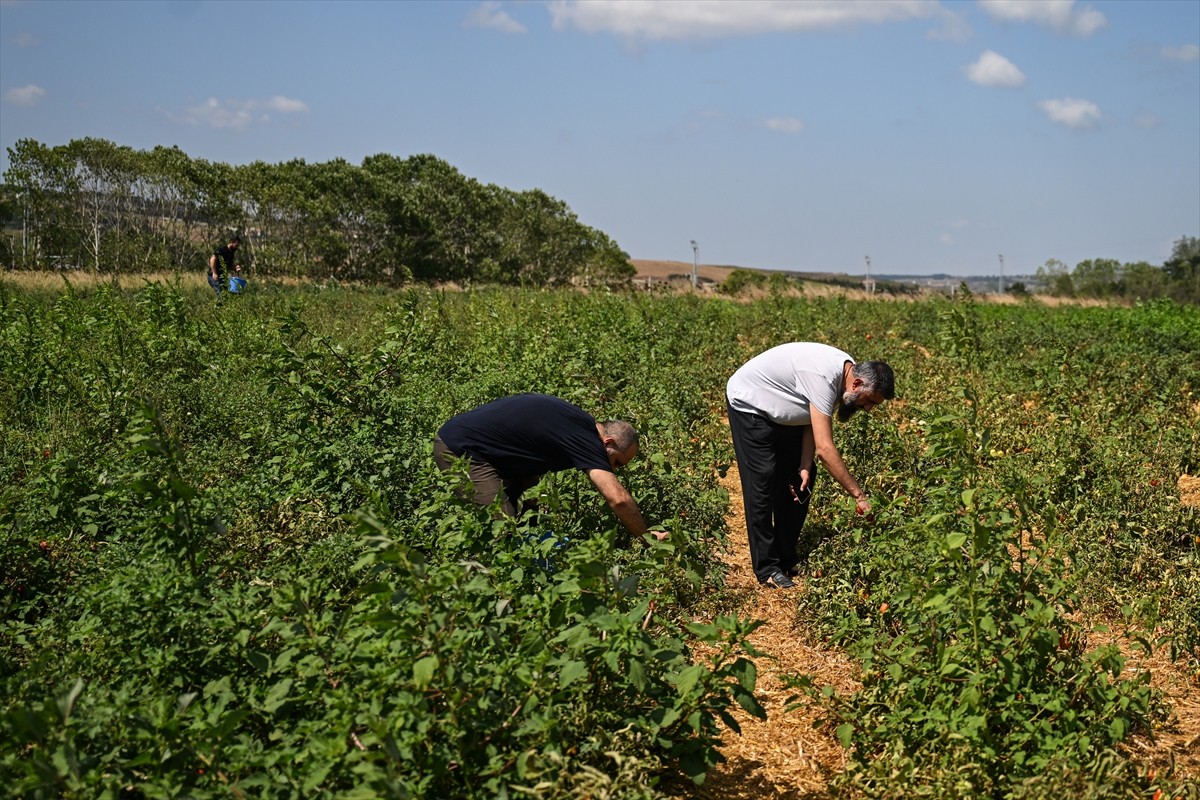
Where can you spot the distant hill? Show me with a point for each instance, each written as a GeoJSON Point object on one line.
{"type": "Point", "coordinates": [665, 270]}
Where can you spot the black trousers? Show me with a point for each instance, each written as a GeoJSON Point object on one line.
{"type": "Point", "coordinates": [768, 457]}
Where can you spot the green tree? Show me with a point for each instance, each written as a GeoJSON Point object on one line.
{"type": "Point", "coordinates": [172, 190]}
{"type": "Point", "coordinates": [432, 214]}
{"type": "Point", "coordinates": [351, 226]}
{"type": "Point", "coordinates": [739, 280]}
{"type": "Point", "coordinates": [41, 176]}
{"type": "Point", "coordinates": [544, 241]}
{"type": "Point", "coordinates": [1055, 277]}
{"type": "Point", "coordinates": [275, 199]}
{"type": "Point", "coordinates": [607, 263]}
{"type": "Point", "coordinates": [101, 188]}
{"type": "Point", "coordinates": [1183, 270]}
{"type": "Point", "coordinates": [390, 220]}
{"type": "Point", "coordinates": [1096, 277]}
{"type": "Point", "coordinates": [1142, 281]}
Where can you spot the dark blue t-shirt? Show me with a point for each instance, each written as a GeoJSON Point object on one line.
{"type": "Point", "coordinates": [528, 434]}
{"type": "Point", "coordinates": [224, 254]}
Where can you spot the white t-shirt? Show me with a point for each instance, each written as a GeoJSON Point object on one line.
{"type": "Point", "coordinates": [783, 383]}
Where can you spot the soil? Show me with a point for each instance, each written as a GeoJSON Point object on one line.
{"type": "Point", "coordinates": [792, 755]}
{"type": "Point", "coordinates": [784, 757]}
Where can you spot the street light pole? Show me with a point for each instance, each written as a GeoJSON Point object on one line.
{"type": "Point", "coordinates": [695, 264]}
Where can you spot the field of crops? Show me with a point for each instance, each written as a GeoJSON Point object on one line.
{"type": "Point", "coordinates": [230, 567]}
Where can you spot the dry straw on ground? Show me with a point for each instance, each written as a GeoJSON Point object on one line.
{"type": "Point", "coordinates": [786, 758]}
{"type": "Point", "coordinates": [1177, 740]}
{"type": "Point", "coordinates": [1189, 490]}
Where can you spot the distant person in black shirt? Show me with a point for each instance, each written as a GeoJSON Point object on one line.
{"type": "Point", "coordinates": [221, 263]}
{"type": "Point", "coordinates": [512, 442]}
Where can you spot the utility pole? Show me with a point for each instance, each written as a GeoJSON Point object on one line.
{"type": "Point", "coordinates": [1002, 273]}
{"type": "Point", "coordinates": [869, 284]}
{"type": "Point", "coordinates": [695, 264]}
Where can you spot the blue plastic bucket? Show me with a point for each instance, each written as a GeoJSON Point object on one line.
{"type": "Point", "coordinates": [236, 284]}
{"type": "Point", "coordinates": [559, 543]}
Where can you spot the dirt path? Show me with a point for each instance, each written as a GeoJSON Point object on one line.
{"type": "Point", "coordinates": [785, 757]}
{"type": "Point", "coordinates": [782, 757]}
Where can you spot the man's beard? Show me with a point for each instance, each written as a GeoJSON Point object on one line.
{"type": "Point", "coordinates": [848, 407]}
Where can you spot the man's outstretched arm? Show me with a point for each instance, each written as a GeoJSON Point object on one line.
{"type": "Point", "coordinates": [827, 452]}
{"type": "Point", "coordinates": [622, 503]}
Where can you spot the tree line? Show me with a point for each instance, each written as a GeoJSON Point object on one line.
{"type": "Point", "coordinates": [93, 204]}
{"type": "Point", "coordinates": [1105, 278]}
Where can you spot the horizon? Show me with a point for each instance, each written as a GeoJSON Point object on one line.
{"type": "Point", "coordinates": [686, 266]}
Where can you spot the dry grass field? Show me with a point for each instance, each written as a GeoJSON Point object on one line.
{"type": "Point", "coordinates": [673, 273]}
{"type": "Point", "coordinates": [667, 270]}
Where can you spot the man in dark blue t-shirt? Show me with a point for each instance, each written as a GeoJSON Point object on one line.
{"type": "Point", "coordinates": [512, 442]}
{"type": "Point", "coordinates": [223, 255]}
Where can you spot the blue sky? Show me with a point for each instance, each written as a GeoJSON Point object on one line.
{"type": "Point", "coordinates": [931, 136]}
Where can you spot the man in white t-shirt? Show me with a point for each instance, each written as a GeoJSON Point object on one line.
{"type": "Point", "coordinates": [781, 405]}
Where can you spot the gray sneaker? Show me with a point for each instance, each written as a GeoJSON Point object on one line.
{"type": "Point", "coordinates": [778, 580]}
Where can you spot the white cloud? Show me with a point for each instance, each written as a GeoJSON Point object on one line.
{"type": "Point", "coordinates": [1071, 112]}
{"type": "Point", "coordinates": [993, 69]}
{"type": "Point", "coordinates": [29, 95]}
{"type": "Point", "coordinates": [231, 114]}
{"type": "Point", "coordinates": [946, 238]}
{"type": "Point", "coordinates": [1145, 119]}
{"type": "Point", "coordinates": [784, 125]}
{"type": "Point", "coordinates": [1187, 52]}
{"type": "Point", "coordinates": [286, 105]}
{"type": "Point", "coordinates": [491, 15]}
{"type": "Point", "coordinates": [710, 19]}
{"type": "Point", "coordinates": [1062, 16]}
{"type": "Point", "coordinates": [954, 27]}
{"type": "Point", "coordinates": [25, 39]}
{"type": "Point", "coordinates": [212, 113]}
{"type": "Point", "coordinates": [237, 114]}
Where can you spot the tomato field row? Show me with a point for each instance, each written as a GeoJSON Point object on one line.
{"type": "Point", "coordinates": [230, 566]}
